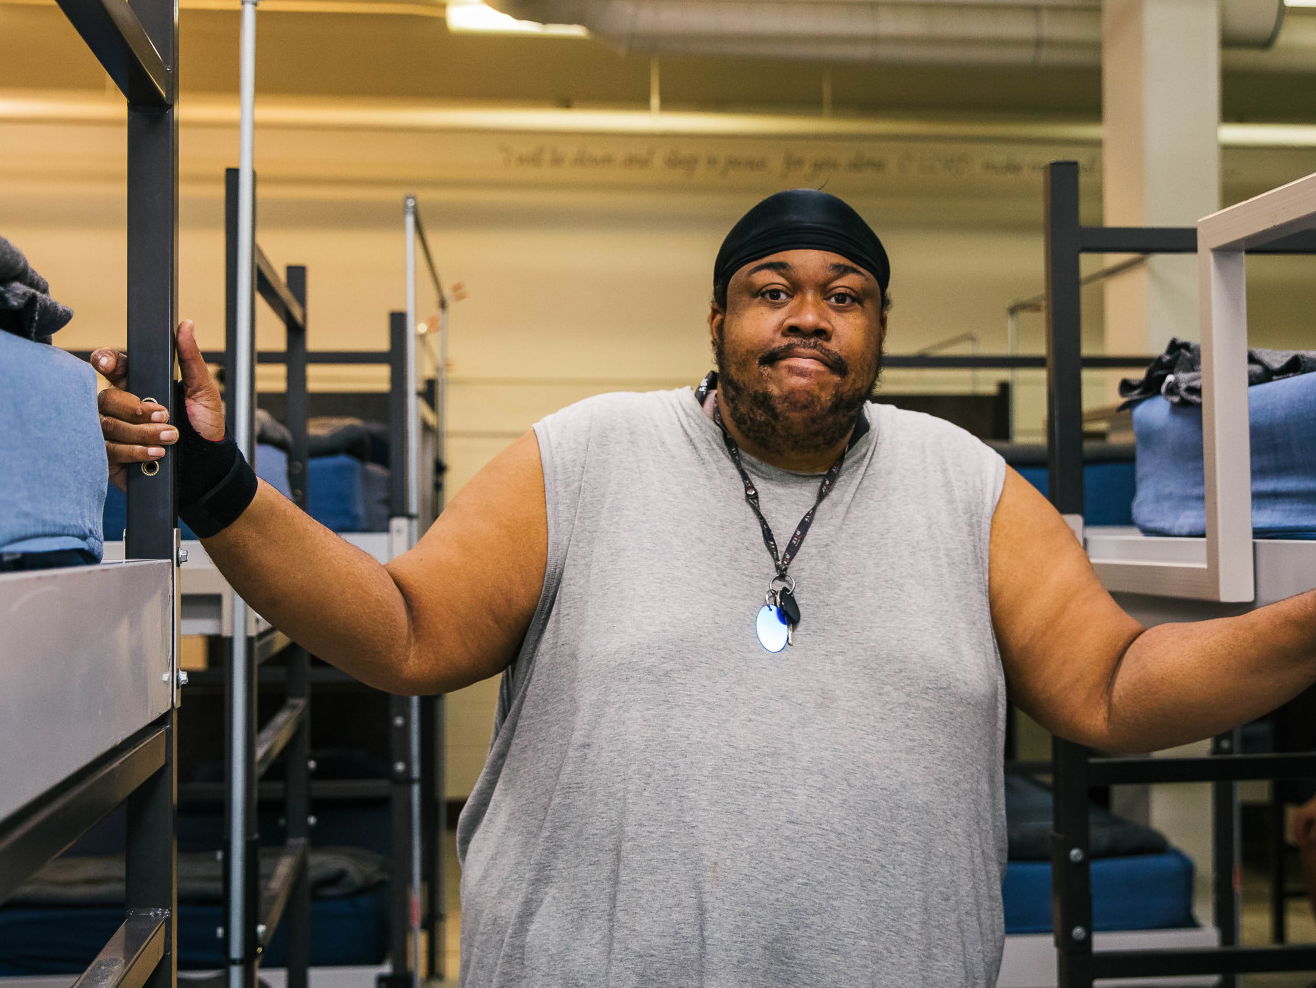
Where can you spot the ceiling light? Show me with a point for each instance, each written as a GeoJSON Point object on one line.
{"type": "Point", "coordinates": [473, 17]}
{"type": "Point", "coordinates": [1300, 3]}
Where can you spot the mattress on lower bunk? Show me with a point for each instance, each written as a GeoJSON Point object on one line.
{"type": "Point", "coordinates": [58, 922]}
{"type": "Point", "coordinates": [1282, 419]}
{"type": "Point", "coordinates": [344, 494]}
{"type": "Point", "coordinates": [1138, 881]}
{"type": "Point", "coordinates": [52, 458]}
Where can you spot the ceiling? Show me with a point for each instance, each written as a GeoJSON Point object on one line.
{"type": "Point", "coordinates": [399, 51]}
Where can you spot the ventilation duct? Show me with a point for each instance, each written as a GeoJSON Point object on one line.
{"type": "Point", "coordinates": [967, 32]}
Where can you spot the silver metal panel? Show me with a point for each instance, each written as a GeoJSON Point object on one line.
{"type": "Point", "coordinates": [86, 655]}
{"type": "Point", "coordinates": [1134, 568]}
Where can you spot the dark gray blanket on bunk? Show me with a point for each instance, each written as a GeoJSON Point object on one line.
{"type": "Point", "coordinates": [334, 872]}
{"type": "Point", "coordinates": [1177, 373]}
{"type": "Point", "coordinates": [26, 308]}
{"type": "Point", "coordinates": [1028, 826]}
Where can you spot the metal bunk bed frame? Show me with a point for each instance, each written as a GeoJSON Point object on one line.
{"type": "Point", "coordinates": [1077, 770]}
{"type": "Point", "coordinates": [124, 752]}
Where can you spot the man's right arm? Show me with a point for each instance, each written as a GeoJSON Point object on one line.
{"type": "Point", "coordinates": [449, 612]}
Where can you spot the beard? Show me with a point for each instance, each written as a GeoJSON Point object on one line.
{"type": "Point", "coordinates": [801, 421]}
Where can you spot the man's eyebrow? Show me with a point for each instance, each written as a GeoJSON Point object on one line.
{"type": "Point", "coordinates": [839, 268]}
{"type": "Point", "coordinates": [781, 267]}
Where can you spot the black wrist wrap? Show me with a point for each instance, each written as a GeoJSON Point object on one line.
{"type": "Point", "coordinates": [215, 482]}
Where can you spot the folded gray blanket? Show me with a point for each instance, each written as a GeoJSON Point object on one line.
{"type": "Point", "coordinates": [334, 872]}
{"type": "Point", "coordinates": [26, 308]}
{"type": "Point", "coordinates": [1177, 373]}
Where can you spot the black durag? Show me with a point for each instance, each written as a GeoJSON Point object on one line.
{"type": "Point", "coordinates": [802, 219]}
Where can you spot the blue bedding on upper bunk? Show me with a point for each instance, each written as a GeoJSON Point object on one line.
{"type": "Point", "coordinates": [52, 459]}
{"type": "Point", "coordinates": [1170, 498]}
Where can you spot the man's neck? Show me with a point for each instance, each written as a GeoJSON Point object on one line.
{"type": "Point", "coordinates": [807, 461]}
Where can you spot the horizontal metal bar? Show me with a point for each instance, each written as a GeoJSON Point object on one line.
{"type": "Point", "coordinates": [120, 43]}
{"type": "Point", "coordinates": [274, 896]}
{"type": "Point", "coordinates": [1175, 240]}
{"type": "Point", "coordinates": [1003, 361]}
{"type": "Point", "coordinates": [271, 790]}
{"type": "Point", "coordinates": [327, 357]}
{"type": "Point", "coordinates": [268, 644]}
{"type": "Point", "coordinates": [276, 293]}
{"type": "Point", "coordinates": [276, 734]}
{"type": "Point", "coordinates": [1205, 768]}
{"type": "Point", "coordinates": [130, 956]}
{"type": "Point", "coordinates": [48, 825]}
{"type": "Point", "coordinates": [1034, 767]}
{"type": "Point", "coordinates": [1137, 239]}
{"type": "Point", "coordinates": [1208, 960]}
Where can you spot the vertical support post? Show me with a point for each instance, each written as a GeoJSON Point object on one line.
{"type": "Point", "coordinates": [153, 284]}
{"type": "Point", "coordinates": [433, 826]}
{"type": "Point", "coordinates": [241, 844]}
{"type": "Point", "coordinates": [298, 409]}
{"type": "Point", "coordinates": [297, 794]}
{"type": "Point", "coordinates": [1070, 868]}
{"type": "Point", "coordinates": [1276, 846]}
{"type": "Point", "coordinates": [152, 268]}
{"type": "Point", "coordinates": [1064, 369]}
{"type": "Point", "coordinates": [402, 925]}
{"type": "Point", "coordinates": [1226, 853]}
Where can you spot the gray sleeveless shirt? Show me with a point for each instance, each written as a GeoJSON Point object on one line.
{"type": "Point", "coordinates": [666, 803]}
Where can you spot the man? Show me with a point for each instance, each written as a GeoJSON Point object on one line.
{"type": "Point", "coordinates": [755, 644]}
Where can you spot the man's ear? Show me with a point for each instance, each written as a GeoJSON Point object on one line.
{"type": "Point", "coordinates": [716, 316]}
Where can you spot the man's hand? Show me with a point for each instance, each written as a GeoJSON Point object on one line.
{"type": "Point", "coordinates": [137, 430]}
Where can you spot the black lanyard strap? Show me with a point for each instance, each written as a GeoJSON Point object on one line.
{"type": "Point", "coordinates": [782, 561]}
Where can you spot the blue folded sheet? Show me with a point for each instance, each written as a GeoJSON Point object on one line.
{"type": "Point", "coordinates": [52, 457]}
{"type": "Point", "coordinates": [1170, 498]}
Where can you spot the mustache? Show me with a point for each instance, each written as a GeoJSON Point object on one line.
{"type": "Point", "coordinates": [810, 348]}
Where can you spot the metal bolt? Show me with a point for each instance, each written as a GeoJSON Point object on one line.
{"type": "Point", "coordinates": [182, 678]}
{"type": "Point", "coordinates": [311, 821]}
{"type": "Point", "coordinates": [1225, 744]}
{"type": "Point", "coordinates": [219, 933]}
{"type": "Point", "coordinates": [261, 930]}
{"type": "Point", "coordinates": [399, 767]}
{"type": "Point", "coordinates": [1076, 855]}
{"type": "Point", "coordinates": [1079, 933]}
{"type": "Point", "coordinates": [310, 765]}
{"type": "Point", "coordinates": [399, 721]}
{"type": "Point", "coordinates": [182, 555]}
{"type": "Point", "coordinates": [164, 677]}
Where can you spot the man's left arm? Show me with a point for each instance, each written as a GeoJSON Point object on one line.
{"type": "Point", "coordinates": [1087, 671]}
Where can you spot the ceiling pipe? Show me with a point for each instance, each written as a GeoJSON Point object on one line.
{"type": "Point", "coordinates": [966, 32]}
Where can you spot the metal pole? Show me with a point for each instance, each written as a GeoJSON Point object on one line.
{"type": "Point", "coordinates": [440, 439]}
{"type": "Point", "coordinates": [412, 409]}
{"type": "Point", "coordinates": [241, 871]}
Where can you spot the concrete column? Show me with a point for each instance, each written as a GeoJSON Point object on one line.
{"type": "Point", "coordinates": [1161, 155]}
{"type": "Point", "coordinates": [1161, 167]}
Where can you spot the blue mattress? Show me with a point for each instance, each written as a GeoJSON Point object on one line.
{"type": "Point", "coordinates": [1108, 490]}
{"type": "Point", "coordinates": [1131, 892]}
{"type": "Point", "coordinates": [346, 495]}
{"type": "Point", "coordinates": [1170, 497]}
{"type": "Point", "coordinates": [52, 469]}
{"type": "Point", "coordinates": [351, 930]}
{"type": "Point", "coordinates": [271, 467]}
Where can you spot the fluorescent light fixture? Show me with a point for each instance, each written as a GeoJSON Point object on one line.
{"type": "Point", "coordinates": [474, 17]}
{"type": "Point", "coordinates": [1300, 3]}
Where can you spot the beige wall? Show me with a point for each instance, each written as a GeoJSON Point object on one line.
{"type": "Point", "coordinates": [585, 258]}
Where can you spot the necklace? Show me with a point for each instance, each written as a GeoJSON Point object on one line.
{"type": "Point", "coordinates": [780, 613]}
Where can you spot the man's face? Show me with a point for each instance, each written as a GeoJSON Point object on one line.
{"type": "Point", "coordinates": [798, 348]}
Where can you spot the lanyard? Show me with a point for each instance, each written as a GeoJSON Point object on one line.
{"type": "Point", "coordinates": [783, 560]}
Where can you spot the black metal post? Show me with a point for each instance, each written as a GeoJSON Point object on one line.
{"type": "Point", "coordinates": [1226, 853]}
{"type": "Point", "coordinates": [297, 799]}
{"type": "Point", "coordinates": [1064, 378]}
{"type": "Point", "coordinates": [1071, 879]}
{"type": "Point", "coordinates": [153, 283]}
